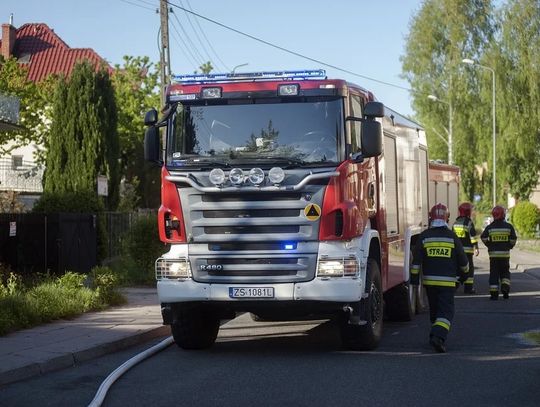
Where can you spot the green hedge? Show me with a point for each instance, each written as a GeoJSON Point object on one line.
{"type": "Point", "coordinates": [525, 217]}
{"type": "Point", "coordinates": [141, 249]}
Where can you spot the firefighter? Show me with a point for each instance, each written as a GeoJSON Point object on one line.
{"type": "Point", "coordinates": [439, 256]}
{"type": "Point", "coordinates": [464, 229]}
{"type": "Point", "coordinates": [499, 237]}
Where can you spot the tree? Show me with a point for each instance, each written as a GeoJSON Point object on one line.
{"type": "Point", "coordinates": [517, 59]}
{"type": "Point", "coordinates": [136, 90]}
{"type": "Point", "coordinates": [84, 141]}
{"type": "Point", "coordinates": [35, 109]}
{"type": "Point", "coordinates": [206, 67]}
{"type": "Point", "coordinates": [441, 34]}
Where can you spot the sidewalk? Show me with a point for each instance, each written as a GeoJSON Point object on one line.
{"type": "Point", "coordinates": [525, 261]}
{"type": "Point", "coordinates": [64, 343]}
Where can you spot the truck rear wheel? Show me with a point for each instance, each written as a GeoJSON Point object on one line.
{"type": "Point", "coordinates": [367, 336]}
{"type": "Point", "coordinates": [195, 328]}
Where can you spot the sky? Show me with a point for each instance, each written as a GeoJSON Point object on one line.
{"type": "Point", "coordinates": [364, 37]}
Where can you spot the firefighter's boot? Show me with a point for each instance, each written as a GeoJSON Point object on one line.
{"type": "Point", "coordinates": [505, 289]}
{"type": "Point", "coordinates": [494, 295]}
{"type": "Point", "coordinates": [437, 343]}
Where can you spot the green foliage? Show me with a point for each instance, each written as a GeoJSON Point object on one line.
{"type": "Point", "coordinates": [142, 249]}
{"type": "Point", "coordinates": [83, 142]}
{"type": "Point", "coordinates": [136, 90]}
{"type": "Point", "coordinates": [35, 109]}
{"type": "Point", "coordinates": [71, 280]}
{"type": "Point", "coordinates": [526, 217]}
{"type": "Point", "coordinates": [70, 202]}
{"type": "Point", "coordinates": [207, 67]}
{"type": "Point", "coordinates": [441, 34]}
{"type": "Point", "coordinates": [129, 198]}
{"type": "Point", "coordinates": [104, 282]}
{"type": "Point", "coordinates": [506, 40]}
{"type": "Point", "coordinates": [52, 298]}
{"type": "Point", "coordinates": [516, 58]}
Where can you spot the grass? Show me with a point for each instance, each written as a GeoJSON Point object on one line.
{"type": "Point", "coordinates": [533, 336]}
{"type": "Point", "coordinates": [24, 304]}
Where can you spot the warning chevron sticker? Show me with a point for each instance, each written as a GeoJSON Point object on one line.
{"type": "Point", "coordinates": [312, 212]}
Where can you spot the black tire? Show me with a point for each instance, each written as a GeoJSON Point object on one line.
{"type": "Point", "coordinates": [368, 336]}
{"type": "Point", "coordinates": [400, 302]}
{"type": "Point", "coordinates": [195, 328]}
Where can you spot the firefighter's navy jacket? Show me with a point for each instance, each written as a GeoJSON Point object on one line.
{"type": "Point", "coordinates": [464, 229]}
{"type": "Point", "coordinates": [499, 237]}
{"type": "Point", "coordinates": [439, 255]}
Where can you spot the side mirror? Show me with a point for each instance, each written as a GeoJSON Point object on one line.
{"type": "Point", "coordinates": [374, 109]}
{"type": "Point", "coordinates": [151, 145]}
{"type": "Point", "coordinates": [371, 138]}
{"type": "Point", "coordinates": [151, 117]}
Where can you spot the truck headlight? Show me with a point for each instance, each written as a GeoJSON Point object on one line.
{"type": "Point", "coordinates": [344, 267]}
{"type": "Point", "coordinates": [175, 269]}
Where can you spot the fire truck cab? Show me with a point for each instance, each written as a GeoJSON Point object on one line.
{"type": "Point", "coordinates": [287, 195]}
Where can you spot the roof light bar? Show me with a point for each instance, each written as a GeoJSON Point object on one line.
{"type": "Point", "coordinates": [250, 76]}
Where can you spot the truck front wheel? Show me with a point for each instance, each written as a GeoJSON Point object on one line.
{"type": "Point", "coordinates": [368, 335]}
{"type": "Point", "coordinates": [195, 328]}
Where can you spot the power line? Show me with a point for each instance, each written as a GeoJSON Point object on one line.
{"type": "Point", "coordinates": [208, 41]}
{"type": "Point", "coordinates": [185, 48]}
{"type": "Point", "coordinates": [188, 17]}
{"type": "Point", "coordinates": [140, 5]}
{"type": "Point", "coordinates": [188, 38]}
{"type": "Point", "coordinates": [337, 68]}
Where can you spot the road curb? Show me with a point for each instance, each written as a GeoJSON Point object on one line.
{"type": "Point", "coordinates": [71, 359]}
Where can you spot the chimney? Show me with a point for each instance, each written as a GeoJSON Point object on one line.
{"type": "Point", "coordinates": [8, 38]}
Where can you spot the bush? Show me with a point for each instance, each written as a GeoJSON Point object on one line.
{"type": "Point", "coordinates": [105, 282]}
{"type": "Point", "coordinates": [71, 202]}
{"type": "Point", "coordinates": [525, 217]}
{"type": "Point", "coordinates": [141, 250]}
{"type": "Point", "coordinates": [54, 297]}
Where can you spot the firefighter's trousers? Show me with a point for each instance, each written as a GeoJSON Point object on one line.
{"type": "Point", "coordinates": [441, 310]}
{"type": "Point", "coordinates": [468, 286]}
{"type": "Point", "coordinates": [499, 274]}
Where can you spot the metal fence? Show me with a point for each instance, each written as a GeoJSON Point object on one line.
{"type": "Point", "coordinates": [119, 226]}
{"type": "Point", "coordinates": [24, 176]}
{"type": "Point", "coordinates": [31, 243]}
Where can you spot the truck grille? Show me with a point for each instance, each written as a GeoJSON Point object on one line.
{"type": "Point", "coordinates": [251, 237]}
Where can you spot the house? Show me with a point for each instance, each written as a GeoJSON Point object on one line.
{"type": "Point", "coordinates": [42, 52]}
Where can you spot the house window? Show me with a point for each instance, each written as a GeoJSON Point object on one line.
{"type": "Point", "coordinates": [16, 162]}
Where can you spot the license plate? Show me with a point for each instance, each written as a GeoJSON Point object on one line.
{"type": "Point", "coordinates": [251, 292]}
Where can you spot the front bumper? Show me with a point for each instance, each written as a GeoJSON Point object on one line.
{"type": "Point", "coordinates": [341, 289]}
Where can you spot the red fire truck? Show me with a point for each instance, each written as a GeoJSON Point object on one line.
{"type": "Point", "coordinates": [287, 195]}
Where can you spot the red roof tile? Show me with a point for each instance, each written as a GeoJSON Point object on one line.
{"type": "Point", "coordinates": [44, 52]}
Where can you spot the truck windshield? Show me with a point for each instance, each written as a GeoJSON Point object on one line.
{"type": "Point", "coordinates": [305, 131]}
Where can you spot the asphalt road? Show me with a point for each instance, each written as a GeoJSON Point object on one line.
{"type": "Point", "coordinates": [301, 364]}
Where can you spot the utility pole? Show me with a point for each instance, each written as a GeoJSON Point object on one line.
{"type": "Point", "coordinates": [164, 51]}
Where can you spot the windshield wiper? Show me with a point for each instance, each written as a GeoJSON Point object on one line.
{"type": "Point", "coordinates": [287, 162]}
{"type": "Point", "coordinates": [200, 162]}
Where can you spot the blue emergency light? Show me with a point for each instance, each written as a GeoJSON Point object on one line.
{"type": "Point", "coordinates": [250, 76]}
{"type": "Point", "coordinates": [288, 246]}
